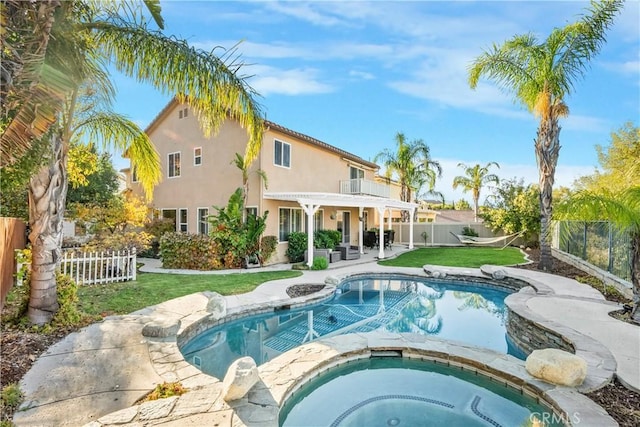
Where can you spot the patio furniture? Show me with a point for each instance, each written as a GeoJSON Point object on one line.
{"type": "Point", "coordinates": [347, 253]}
{"type": "Point", "coordinates": [389, 236]}
{"type": "Point", "coordinates": [324, 253]}
{"type": "Point", "coordinates": [335, 256]}
{"type": "Point", "coordinates": [370, 239]}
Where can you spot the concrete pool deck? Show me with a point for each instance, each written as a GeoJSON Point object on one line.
{"type": "Point", "coordinates": [95, 375]}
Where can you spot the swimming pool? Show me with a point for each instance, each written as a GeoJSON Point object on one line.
{"type": "Point", "coordinates": [393, 391]}
{"type": "Point", "coordinates": [454, 310]}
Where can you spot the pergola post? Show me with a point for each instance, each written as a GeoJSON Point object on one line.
{"type": "Point", "coordinates": [411, 213]}
{"type": "Point", "coordinates": [381, 212]}
{"type": "Point", "coordinates": [310, 210]}
{"type": "Point", "coordinates": [389, 221]}
{"type": "Point", "coordinates": [360, 229]}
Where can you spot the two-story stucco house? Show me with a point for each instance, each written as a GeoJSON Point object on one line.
{"type": "Point", "coordinates": [311, 184]}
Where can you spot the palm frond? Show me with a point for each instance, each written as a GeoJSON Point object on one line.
{"type": "Point", "coordinates": [212, 87]}
{"type": "Point", "coordinates": [32, 89]}
{"type": "Point", "coordinates": [116, 131]}
{"type": "Point", "coordinates": [620, 208]}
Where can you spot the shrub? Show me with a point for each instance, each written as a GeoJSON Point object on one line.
{"type": "Point", "coordinates": [327, 239]}
{"type": "Point", "coordinates": [320, 263]}
{"type": "Point", "coordinates": [10, 399]}
{"type": "Point", "coordinates": [468, 231]}
{"type": "Point", "coordinates": [141, 241]}
{"type": "Point", "coordinates": [157, 228]}
{"type": "Point", "coordinates": [165, 390]}
{"type": "Point", "coordinates": [67, 292]}
{"type": "Point", "coordinates": [268, 246]}
{"type": "Point", "coordinates": [297, 246]}
{"type": "Point", "coordinates": [189, 251]}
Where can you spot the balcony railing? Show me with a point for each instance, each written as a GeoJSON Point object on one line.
{"type": "Point", "coordinates": [364, 187]}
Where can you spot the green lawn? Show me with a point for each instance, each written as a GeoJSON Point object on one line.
{"type": "Point", "coordinates": [457, 257]}
{"type": "Point", "coordinates": [154, 288]}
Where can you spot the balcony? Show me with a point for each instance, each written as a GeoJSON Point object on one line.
{"type": "Point", "coordinates": [364, 187]}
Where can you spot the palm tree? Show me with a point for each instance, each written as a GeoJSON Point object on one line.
{"type": "Point", "coordinates": [541, 75]}
{"type": "Point", "coordinates": [413, 166]}
{"type": "Point", "coordinates": [83, 37]}
{"type": "Point", "coordinates": [244, 166]}
{"type": "Point", "coordinates": [476, 178]}
{"type": "Point", "coordinates": [622, 209]}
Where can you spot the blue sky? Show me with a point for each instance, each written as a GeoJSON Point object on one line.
{"type": "Point", "coordinates": [354, 73]}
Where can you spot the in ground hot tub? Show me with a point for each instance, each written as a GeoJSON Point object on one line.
{"type": "Point", "coordinates": [392, 391]}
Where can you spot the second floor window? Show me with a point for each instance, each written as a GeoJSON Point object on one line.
{"type": "Point", "coordinates": [174, 165]}
{"type": "Point", "coordinates": [197, 156]}
{"type": "Point", "coordinates": [355, 173]}
{"type": "Point", "coordinates": [282, 154]}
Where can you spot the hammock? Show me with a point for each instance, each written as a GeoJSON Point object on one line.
{"type": "Point", "coordinates": [472, 240]}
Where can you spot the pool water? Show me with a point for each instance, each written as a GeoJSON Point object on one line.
{"type": "Point", "coordinates": [393, 391]}
{"type": "Point", "coordinates": [472, 314]}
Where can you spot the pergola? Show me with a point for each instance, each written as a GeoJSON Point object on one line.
{"type": "Point", "coordinates": [312, 201]}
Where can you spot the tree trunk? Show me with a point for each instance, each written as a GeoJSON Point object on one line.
{"type": "Point", "coordinates": [405, 196]}
{"type": "Point", "coordinates": [47, 195]}
{"type": "Point", "coordinates": [547, 147]}
{"type": "Point", "coordinates": [635, 275]}
{"type": "Point", "coordinates": [475, 209]}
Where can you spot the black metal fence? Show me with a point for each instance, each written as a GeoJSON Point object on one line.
{"type": "Point", "coordinates": [598, 243]}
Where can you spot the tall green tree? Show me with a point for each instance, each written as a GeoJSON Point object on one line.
{"type": "Point", "coordinates": [541, 75]}
{"type": "Point", "coordinates": [619, 164]}
{"type": "Point", "coordinates": [82, 37]}
{"type": "Point", "coordinates": [514, 208]}
{"type": "Point", "coordinates": [475, 177]}
{"type": "Point", "coordinates": [412, 165]}
{"type": "Point", "coordinates": [622, 209]}
{"type": "Point", "coordinates": [100, 186]}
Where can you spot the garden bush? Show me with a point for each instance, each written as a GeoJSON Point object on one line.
{"type": "Point", "coordinates": [157, 228]}
{"type": "Point", "coordinates": [189, 251]}
{"type": "Point", "coordinates": [297, 246]}
{"type": "Point", "coordinates": [468, 231]}
{"type": "Point", "coordinates": [327, 239]}
{"type": "Point", "coordinates": [268, 246]}
{"type": "Point", "coordinates": [320, 263]}
{"type": "Point", "coordinates": [119, 241]}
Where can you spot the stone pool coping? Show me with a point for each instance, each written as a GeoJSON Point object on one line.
{"type": "Point", "coordinates": [289, 371]}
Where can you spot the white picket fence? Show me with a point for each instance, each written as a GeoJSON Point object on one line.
{"type": "Point", "coordinates": [99, 267]}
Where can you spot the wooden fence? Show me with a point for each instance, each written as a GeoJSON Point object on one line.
{"type": "Point", "coordinates": [12, 237]}
{"type": "Point", "coordinates": [99, 267]}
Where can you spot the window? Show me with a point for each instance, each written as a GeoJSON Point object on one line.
{"type": "Point", "coordinates": [282, 154]}
{"type": "Point", "coordinates": [197, 156]}
{"type": "Point", "coordinates": [134, 174]}
{"type": "Point", "coordinates": [170, 214]}
{"type": "Point", "coordinates": [203, 223]}
{"type": "Point", "coordinates": [355, 173]}
{"type": "Point", "coordinates": [290, 220]}
{"type": "Point", "coordinates": [174, 165]}
{"type": "Point", "coordinates": [318, 220]}
{"type": "Point", "coordinates": [183, 113]}
{"type": "Point", "coordinates": [251, 210]}
{"type": "Point", "coordinates": [183, 220]}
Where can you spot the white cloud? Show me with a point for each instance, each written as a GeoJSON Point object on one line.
{"type": "Point", "coordinates": [361, 75]}
{"type": "Point", "coordinates": [297, 81]}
